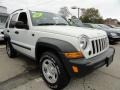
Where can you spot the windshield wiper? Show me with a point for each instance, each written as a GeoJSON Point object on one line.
{"type": "Point", "coordinates": [46, 24]}
{"type": "Point", "coordinates": [52, 24]}
{"type": "Point", "coordinates": [61, 24]}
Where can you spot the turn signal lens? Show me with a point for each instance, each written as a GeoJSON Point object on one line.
{"type": "Point", "coordinates": [74, 55]}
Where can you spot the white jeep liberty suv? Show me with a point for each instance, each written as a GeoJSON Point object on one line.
{"type": "Point", "coordinates": [62, 51]}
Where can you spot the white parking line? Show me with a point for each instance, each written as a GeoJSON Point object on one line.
{"type": "Point", "coordinates": [38, 79]}
{"type": "Point", "coordinates": [2, 46]}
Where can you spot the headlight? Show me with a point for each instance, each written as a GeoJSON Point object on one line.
{"type": "Point", "coordinates": [113, 34]}
{"type": "Point", "coordinates": [83, 42]}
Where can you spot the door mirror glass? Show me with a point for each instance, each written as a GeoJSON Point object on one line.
{"type": "Point", "coordinates": [21, 25]}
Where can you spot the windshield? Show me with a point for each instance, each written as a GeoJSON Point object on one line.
{"type": "Point", "coordinates": [96, 26]}
{"type": "Point", "coordinates": [40, 18]}
{"type": "Point", "coordinates": [104, 26]}
{"type": "Point", "coordinates": [76, 22]}
{"type": "Point", "coordinates": [87, 25]}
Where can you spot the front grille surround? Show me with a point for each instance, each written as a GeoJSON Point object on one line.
{"type": "Point", "coordinates": [99, 45]}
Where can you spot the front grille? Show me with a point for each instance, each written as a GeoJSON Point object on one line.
{"type": "Point", "coordinates": [99, 45]}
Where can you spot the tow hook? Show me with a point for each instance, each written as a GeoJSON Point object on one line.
{"type": "Point", "coordinates": [107, 62]}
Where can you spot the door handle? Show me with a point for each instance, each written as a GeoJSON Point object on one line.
{"type": "Point", "coordinates": [16, 32]}
{"type": "Point", "coordinates": [33, 35]}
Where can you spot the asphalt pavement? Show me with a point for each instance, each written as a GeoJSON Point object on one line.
{"type": "Point", "coordinates": [21, 73]}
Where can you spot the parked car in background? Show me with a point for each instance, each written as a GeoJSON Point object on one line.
{"type": "Point", "coordinates": [1, 34]}
{"type": "Point", "coordinates": [113, 34]}
{"type": "Point", "coordinates": [117, 28]}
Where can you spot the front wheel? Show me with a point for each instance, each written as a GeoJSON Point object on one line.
{"type": "Point", "coordinates": [53, 72]}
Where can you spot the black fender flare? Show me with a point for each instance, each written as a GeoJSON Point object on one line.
{"type": "Point", "coordinates": [57, 44]}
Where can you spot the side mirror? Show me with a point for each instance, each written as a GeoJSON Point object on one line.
{"type": "Point", "coordinates": [21, 25]}
{"type": "Point", "coordinates": [12, 24]}
{"type": "Point", "coordinates": [2, 32]}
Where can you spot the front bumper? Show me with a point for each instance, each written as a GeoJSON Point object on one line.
{"type": "Point", "coordinates": [86, 66]}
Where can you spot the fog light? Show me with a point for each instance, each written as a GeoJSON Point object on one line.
{"type": "Point", "coordinates": [75, 69]}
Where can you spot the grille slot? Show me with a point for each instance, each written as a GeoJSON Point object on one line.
{"type": "Point", "coordinates": [96, 45]}
{"type": "Point", "coordinates": [93, 46]}
{"type": "Point", "coordinates": [99, 45]}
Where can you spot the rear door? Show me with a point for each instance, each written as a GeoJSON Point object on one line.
{"type": "Point", "coordinates": [11, 28]}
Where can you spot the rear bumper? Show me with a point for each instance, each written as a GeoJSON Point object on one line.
{"type": "Point", "coordinates": [86, 66]}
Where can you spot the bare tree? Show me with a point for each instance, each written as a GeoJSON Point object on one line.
{"type": "Point", "coordinates": [64, 11]}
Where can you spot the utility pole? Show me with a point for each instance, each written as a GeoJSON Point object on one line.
{"type": "Point", "coordinates": [78, 10]}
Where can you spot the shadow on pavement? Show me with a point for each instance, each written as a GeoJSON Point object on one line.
{"type": "Point", "coordinates": [31, 72]}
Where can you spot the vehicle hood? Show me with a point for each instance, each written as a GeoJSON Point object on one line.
{"type": "Point", "coordinates": [72, 31]}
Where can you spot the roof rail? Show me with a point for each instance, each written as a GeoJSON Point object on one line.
{"type": "Point", "coordinates": [16, 10]}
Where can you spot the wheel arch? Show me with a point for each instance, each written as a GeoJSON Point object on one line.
{"type": "Point", "coordinates": [50, 44]}
{"type": "Point", "coordinates": [7, 37]}
{"type": "Point", "coordinates": [58, 47]}
{"type": "Point", "coordinates": [42, 47]}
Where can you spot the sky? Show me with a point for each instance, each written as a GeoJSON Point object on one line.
{"type": "Point", "coordinates": [107, 8]}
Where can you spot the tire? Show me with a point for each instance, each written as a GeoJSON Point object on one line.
{"type": "Point", "coordinates": [10, 50]}
{"type": "Point", "coordinates": [112, 42]}
{"type": "Point", "coordinates": [53, 72]}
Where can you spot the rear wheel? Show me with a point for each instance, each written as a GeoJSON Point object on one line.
{"type": "Point", "coordinates": [53, 72]}
{"type": "Point", "coordinates": [10, 50]}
